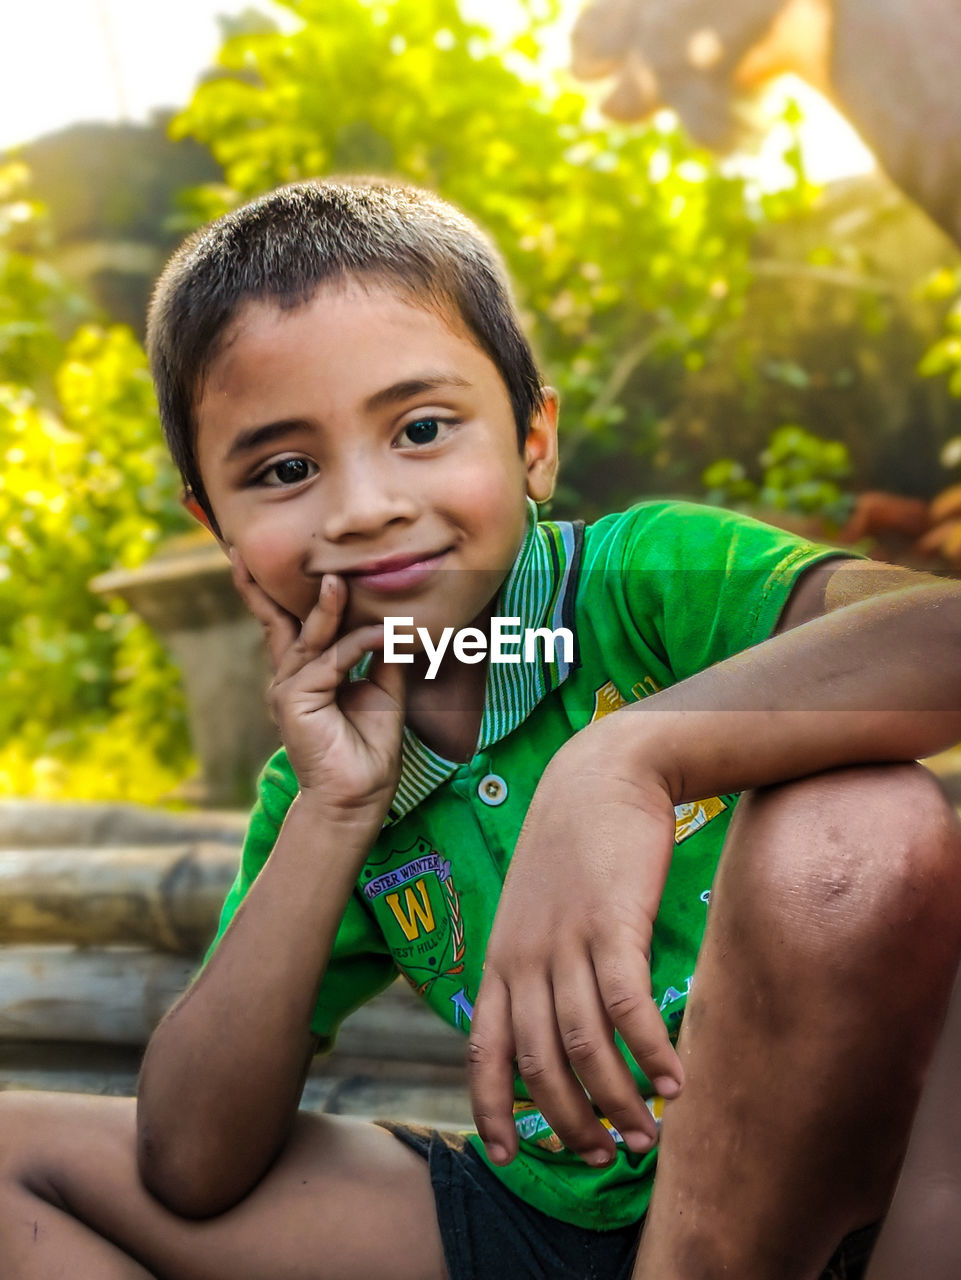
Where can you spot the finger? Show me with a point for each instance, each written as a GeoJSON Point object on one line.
{"type": "Point", "coordinates": [552, 1085]}
{"type": "Point", "coordinates": [325, 618]}
{"type": "Point", "coordinates": [490, 1071]}
{"type": "Point", "coordinates": [280, 627]}
{"type": "Point", "coordinates": [391, 677]}
{"type": "Point", "coordinates": [587, 1040]}
{"type": "Point", "coordinates": [325, 671]}
{"type": "Point", "coordinates": [625, 992]}
{"type": "Point", "coordinates": [319, 629]}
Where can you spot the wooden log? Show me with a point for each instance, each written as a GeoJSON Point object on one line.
{"type": "Point", "coordinates": [399, 1027]}
{"type": "Point", "coordinates": [112, 996]}
{"type": "Point", "coordinates": [26, 824]}
{"type": "Point", "coordinates": [69, 1068]}
{"type": "Point", "coordinates": [162, 896]}
{"type": "Point", "coordinates": [366, 1088]}
{"type": "Point", "coordinates": [116, 995]}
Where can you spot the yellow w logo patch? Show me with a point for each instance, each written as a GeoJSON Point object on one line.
{"type": "Point", "coordinates": [416, 916]}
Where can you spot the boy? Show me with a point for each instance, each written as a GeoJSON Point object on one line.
{"type": "Point", "coordinates": [922, 1231]}
{"type": "Point", "coordinates": [359, 420]}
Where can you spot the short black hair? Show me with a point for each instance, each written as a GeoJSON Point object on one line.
{"type": "Point", "coordinates": [284, 245]}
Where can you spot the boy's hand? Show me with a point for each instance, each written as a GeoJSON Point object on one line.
{"type": "Point", "coordinates": [568, 962]}
{"type": "Point", "coordinates": [342, 738]}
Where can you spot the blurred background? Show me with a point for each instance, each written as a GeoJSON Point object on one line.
{"type": "Point", "coordinates": [776, 328]}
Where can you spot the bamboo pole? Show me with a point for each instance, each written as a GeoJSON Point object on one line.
{"type": "Point", "coordinates": [27, 824]}
{"type": "Point", "coordinates": [113, 995]}
{"type": "Point", "coordinates": [117, 995]}
{"type": "Point", "coordinates": [162, 896]}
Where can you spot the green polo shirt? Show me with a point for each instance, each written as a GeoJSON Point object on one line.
{"type": "Point", "coordinates": [652, 596]}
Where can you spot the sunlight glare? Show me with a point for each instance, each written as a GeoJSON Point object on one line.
{"type": "Point", "coordinates": [830, 146]}
{"type": "Point", "coordinates": [81, 60]}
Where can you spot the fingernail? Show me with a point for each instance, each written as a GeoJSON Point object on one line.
{"type": "Point", "coordinates": [667, 1086]}
{"type": "Point", "coordinates": [637, 1140]}
{"type": "Point", "coordinates": [600, 1159]}
{"type": "Point", "coordinates": [497, 1154]}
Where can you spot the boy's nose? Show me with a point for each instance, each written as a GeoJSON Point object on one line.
{"type": "Point", "coordinates": [362, 501]}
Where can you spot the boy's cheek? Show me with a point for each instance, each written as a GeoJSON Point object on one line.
{"type": "Point", "coordinates": [270, 565]}
{"type": "Point", "coordinates": [296, 597]}
{"type": "Point", "coordinates": [298, 601]}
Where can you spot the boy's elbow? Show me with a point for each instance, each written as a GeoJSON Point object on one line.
{"type": "Point", "coordinates": [187, 1156]}
{"type": "Point", "coordinates": [185, 1179]}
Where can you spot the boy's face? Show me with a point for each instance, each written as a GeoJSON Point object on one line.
{"type": "Point", "coordinates": [362, 435]}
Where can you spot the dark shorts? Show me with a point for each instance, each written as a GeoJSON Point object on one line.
{"type": "Point", "coordinates": [489, 1234]}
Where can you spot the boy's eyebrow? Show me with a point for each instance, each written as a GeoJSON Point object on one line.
{"type": "Point", "coordinates": [248, 441]}
{"type": "Point", "coordinates": [413, 387]}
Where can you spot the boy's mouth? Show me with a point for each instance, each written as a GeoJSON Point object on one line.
{"type": "Point", "coordinates": [395, 573]}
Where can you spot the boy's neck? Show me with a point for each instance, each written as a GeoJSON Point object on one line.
{"type": "Point", "coordinates": [446, 712]}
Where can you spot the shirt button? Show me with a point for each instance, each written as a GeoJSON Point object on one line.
{"type": "Point", "coordinates": [492, 789]}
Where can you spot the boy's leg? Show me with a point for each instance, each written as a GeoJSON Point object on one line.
{"type": "Point", "coordinates": [922, 1232]}
{"type": "Point", "coordinates": [834, 934]}
{"type": "Point", "coordinates": [344, 1201]}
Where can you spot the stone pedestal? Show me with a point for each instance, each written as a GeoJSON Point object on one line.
{"type": "Point", "coordinates": [187, 597]}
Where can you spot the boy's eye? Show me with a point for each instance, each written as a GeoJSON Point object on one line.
{"type": "Point", "coordinates": [286, 472]}
{"type": "Point", "coordinates": [423, 431]}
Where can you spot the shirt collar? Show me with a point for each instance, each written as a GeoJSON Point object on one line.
{"type": "Point", "coordinates": [539, 591]}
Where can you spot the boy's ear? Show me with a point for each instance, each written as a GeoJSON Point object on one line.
{"type": "Point", "coordinates": [190, 503]}
{"type": "Point", "coordinates": [540, 447]}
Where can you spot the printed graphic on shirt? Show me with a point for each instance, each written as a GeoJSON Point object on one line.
{"type": "Point", "coordinates": [532, 1127]}
{"type": "Point", "coordinates": [463, 1008]}
{"type": "Point", "coordinates": [644, 688]}
{"type": "Point", "coordinates": [419, 912]}
{"type": "Point", "coordinates": [688, 817]}
{"type": "Point", "coordinates": [693, 815]}
{"type": "Point", "coordinates": [607, 698]}
{"type": "Point", "coordinates": [672, 994]}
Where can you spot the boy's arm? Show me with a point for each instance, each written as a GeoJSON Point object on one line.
{"type": "Point", "coordinates": [876, 678]}
{"type": "Point", "coordinates": [223, 1072]}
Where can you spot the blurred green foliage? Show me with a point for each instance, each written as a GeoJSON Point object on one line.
{"type": "Point", "coordinates": [37, 307]}
{"type": "Point", "coordinates": [801, 474]}
{"type": "Point", "coordinates": [85, 486]}
{"type": "Point", "coordinates": [943, 358]}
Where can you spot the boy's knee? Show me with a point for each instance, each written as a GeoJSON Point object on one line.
{"type": "Point", "coordinates": [47, 1139]}
{"type": "Point", "coordinates": [21, 1123]}
{"type": "Point", "coordinates": [18, 1112]}
{"type": "Point", "coordinates": [856, 863]}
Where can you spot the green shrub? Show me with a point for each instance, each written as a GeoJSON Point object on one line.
{"type": "Point", "coordinates": [86, 486]}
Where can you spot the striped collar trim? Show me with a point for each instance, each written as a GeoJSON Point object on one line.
{"type": "Point", "coordinates": [539, 591]}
